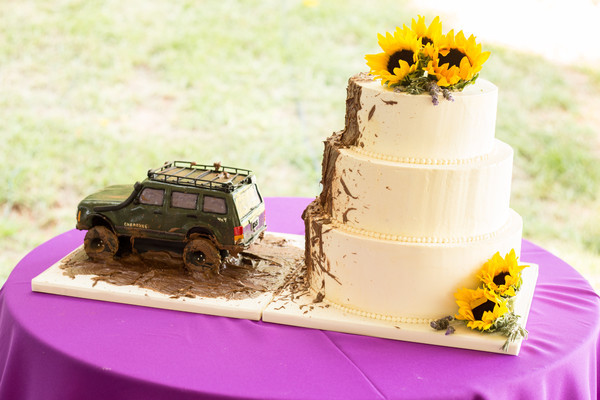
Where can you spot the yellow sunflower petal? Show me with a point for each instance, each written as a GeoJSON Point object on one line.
{"type": "Point", "coordinates": [465, 69]}
{"type": "Point", "coordinates": [502, 275]}
{"type": "Point", "coordinates": [377, 62]}
{"type": "Point", "coordinates": [469, 300]}
{"type": "Point", "coordinates": [430, 33]}
{"type": "Point", "coordinates": [399, 57]}
{"type": "Point", "coordinates": [462, 56]}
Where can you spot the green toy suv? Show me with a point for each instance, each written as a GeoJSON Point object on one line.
{"type": "Point", "coordinates": [210, 210]}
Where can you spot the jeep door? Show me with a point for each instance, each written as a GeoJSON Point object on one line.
{"type": "Point", "coordinates": [182, 212]}
{"type": "Point", "coordinates": [145, 216]}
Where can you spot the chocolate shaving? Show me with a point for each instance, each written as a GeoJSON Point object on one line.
{"type": "Point", "coordinates": [319, 298]}
{"type": "Point", "coordinates": [346, 189]}
{"type": "Point", "coordinates": [345, 216]}
{"type": "Point", "coordinates": [330, 155]}
{"type": "Point", "coordinates": [316, 260]}
{"type": "Point", "coordinates": [371, 112]}
{"type": "Point", "coordinates": [351, 132]}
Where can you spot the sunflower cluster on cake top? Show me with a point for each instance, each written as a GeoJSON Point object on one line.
{"type": "Point", "coordinates": [422, 59]}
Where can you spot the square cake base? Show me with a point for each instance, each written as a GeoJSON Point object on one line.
{"type": "Point", "coordinates": [285, 304]}
{"type": "Point", "coordinates": [303, 311]}
{"type": "Point", "coordinates": [54, 281]}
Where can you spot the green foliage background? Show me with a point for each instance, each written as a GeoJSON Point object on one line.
{"type": "Point", "coordinates": [96, 92]}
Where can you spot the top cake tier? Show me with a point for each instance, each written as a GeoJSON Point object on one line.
{"type": "Point", "coordinates": [401, 127]}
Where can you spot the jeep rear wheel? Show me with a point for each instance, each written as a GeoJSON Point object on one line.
{"type": "Point", "coordinates": [100, 242]}
{"type": "Point", "coordinates": [201, 255]}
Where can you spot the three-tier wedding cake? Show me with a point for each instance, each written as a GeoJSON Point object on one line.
{"type": "Point", "coordinates": [414, 209]}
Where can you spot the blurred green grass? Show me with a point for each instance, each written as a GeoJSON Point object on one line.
{"type": "Point", "coordinates": [96, 92]}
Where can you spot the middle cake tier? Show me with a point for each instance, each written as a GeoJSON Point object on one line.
{"type": "Point", "coordinates": [417, 202]}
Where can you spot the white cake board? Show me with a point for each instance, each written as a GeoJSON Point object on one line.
{"type": "Point", "coordinates": [54, 281]}
{"type": "Point", "coordinates": [304, 312]}
{"type": "Point", "coordinates": [279, 308]}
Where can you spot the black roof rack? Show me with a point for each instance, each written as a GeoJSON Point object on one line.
{"type": "Point", "coordinates": [215, 177]}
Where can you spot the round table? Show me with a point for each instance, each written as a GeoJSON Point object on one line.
{"type": "Point", "coordinates": [55, 347]}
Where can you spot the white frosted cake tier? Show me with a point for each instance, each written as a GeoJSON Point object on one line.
{"type": "Point", "coordinates": [396, 280]}
{"type": "Point", "coordinates": [440, 202]}
{"type": "Point", "coordinates": [405, 127]}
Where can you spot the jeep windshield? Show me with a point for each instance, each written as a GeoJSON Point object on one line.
{"type": "Point", "coordinates": [246, 200]}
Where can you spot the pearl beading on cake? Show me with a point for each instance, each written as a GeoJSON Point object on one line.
{"type": "Point", "coordinates": [422, 161]}
{"type": "Point", "coordinates": [370, 315]}
{"type": "Point", "coordinates": [411, 239]}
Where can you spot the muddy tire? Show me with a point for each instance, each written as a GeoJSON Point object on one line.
{"type": "Point", "coordinates": [201, 256]}
{"type": "Point", "coordinates": [100, 243]}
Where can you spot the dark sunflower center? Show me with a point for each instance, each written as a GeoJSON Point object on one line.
{"type": "Point", "coordinates": [480, 309]}
{"type": "Point", "coordinates": [499, 279]}
{"type": "Point", "coordinates": [453, 58]}
{"type": "Point", "coordinates": [425, 40]}
{"type": "Point", "coordinates": [394, 62]}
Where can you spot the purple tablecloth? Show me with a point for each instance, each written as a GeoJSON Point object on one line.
{"type": "Point", "coordinates": [54, 347]}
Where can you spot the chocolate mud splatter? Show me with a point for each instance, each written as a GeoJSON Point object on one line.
{"type": "Point", "coordinates": [263, 267]}
{"type": "Point", "coordinates": [294, 291]}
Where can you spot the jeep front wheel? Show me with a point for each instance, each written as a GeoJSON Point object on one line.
{"type": "Point", "coordinates": [200, 255]}
{"type": "Point", "coordinates": [100, 242]}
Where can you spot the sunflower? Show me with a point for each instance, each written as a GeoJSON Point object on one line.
{"type": "Point", "coordinates": [427, 34]}
{"type": "Point", "coordinates": [399, 57]}
{"type": "Point", "coordinates": [502, 275]}
{"type": "Point", "coordinates": [455, 59]}
{"type": "Point", "coordinates": [480, 307]}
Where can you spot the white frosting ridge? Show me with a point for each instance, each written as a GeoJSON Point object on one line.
{"type": "Point", "coordinates": [413, 160]}
{"type": "Point", "coordinates": [422, 203]}
{"type": "Point", "coordinates": [410, 239]}
{"type": "Point", "coordinates": [371, 315]}
{"type": "Point", "coordinates": [407, 126]}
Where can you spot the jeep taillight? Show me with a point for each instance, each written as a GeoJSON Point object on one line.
{"type": "Point", "coordinates": [238, 234]}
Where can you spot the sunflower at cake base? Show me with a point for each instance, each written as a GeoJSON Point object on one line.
{"type": "Point", "coordinates": [502, 275]}
{"type": "Point", "coordinates": [489, 307]}
{"type": "Point", "coordinates": [421, 59]}
{"type": "Point", "coordinates": [480, 308]}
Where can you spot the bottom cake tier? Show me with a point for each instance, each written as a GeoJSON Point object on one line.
{"type": "Point", "coordinates": [396, 280]}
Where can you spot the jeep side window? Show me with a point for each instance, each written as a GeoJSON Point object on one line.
{"type": "Point", "coordinates": [153, 197]}
{"type": "Point", "coordinates": [214, 205]}
{"type": "Point", "coordinates": [184, 200]}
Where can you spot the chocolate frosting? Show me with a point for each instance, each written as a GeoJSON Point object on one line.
{"type": "Point", "coordinates": [351, 132]}
{"type": "Point", "coordinates": [263, 267]}
{"type": "Point", "coordinates": [319, 212]}
{"type": "Point", "coordinates": [330, 156]}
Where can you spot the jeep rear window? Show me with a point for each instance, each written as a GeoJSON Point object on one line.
{"type": "Point", "coordinates": [214, 205]}
{"type": "Point", "coordinates": [153, 197]}
{"type": "Point", "coordinates": [184, 200]}
{"type": "Point", "coordinates": [246, 200]}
